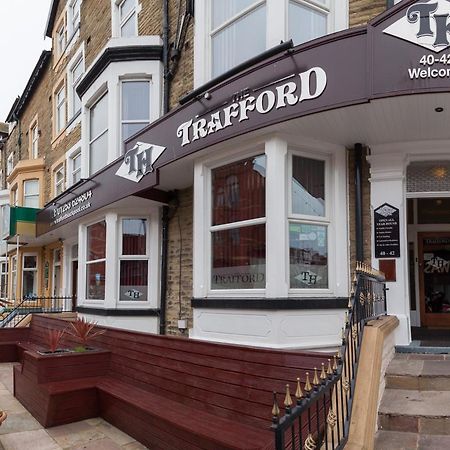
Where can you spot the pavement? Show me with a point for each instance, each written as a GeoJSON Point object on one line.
{"type": "Point", "coordinates": [21, 431]}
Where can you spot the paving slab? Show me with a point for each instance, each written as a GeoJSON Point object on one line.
{"type": "Point", "coordinates": [395, 440]}
{"type": "Point", "coordinates": [35, 440]}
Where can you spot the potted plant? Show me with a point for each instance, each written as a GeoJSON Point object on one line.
{"type": "Point", "coordinates": [82, 330]}
{"type": "Point", "coordinates": [53, 338]}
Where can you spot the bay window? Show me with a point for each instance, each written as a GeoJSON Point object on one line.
{"type": "Point", "coordinates": [135, 106]}
{"type": "Point", "coordinates": [238, 232]}
{"type": "Point", "coordinates": [29, 276]}
{"type": "Point", "coordinates": [98, 134]}
{"type": "Point", "coordinates": [31, 193]}
{"type": "Point", "coordinates": [134, 260]}
{"type": "Point", "coordinates": [96, 261]}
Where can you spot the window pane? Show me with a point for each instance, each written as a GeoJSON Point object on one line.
{"type": "Point", "coordinates": [433, 210]}
{"type": "Point", "coordinates": [306, 23]}
{"type": "Point", "coordinates": [308, 186]}
{"type": "Point", "coordinates": [95, 279]}
{"type": "Point", "coordinates": [135, 100]}
{"type": "Point", "coordinates": [239, 191]}
{"type": "Point", "coordinates": [224, 10]}
{"type": "Point", "coordinates": [228, 49]}
{"type": "Point", "coordinates": [125, 8]}
{"type": "Point", "coordinates": [133, 280]}
{"type": "Point", "coordinates": [308, 256]}
{"type": "Point", "coordinates": [128, 29]}
{"type": "Point", "coordinates": [128, 129]}
{"type": "Point", "coordinates": [31, 187]}
{"type": "Point", "coordinates": [239, 258]}
{"type": "Point", "coordinates": [96, 241]}
{"type": "Point", "coordinates": [30, 283]}
{"type": "Point", "coordinates": [99, 117]}
{"type": "Point", "coordinates": [134, 237]}
{"type": "Point", "coordinates": [98, 154]}
{"type": "Point", "coordinates": [29, 262]}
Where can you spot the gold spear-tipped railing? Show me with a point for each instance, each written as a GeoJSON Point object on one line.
{"type": "Point", "coordinates": [320, 416]}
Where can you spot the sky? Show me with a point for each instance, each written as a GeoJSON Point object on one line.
{"type": "Point", "coordinates": [22, 28]}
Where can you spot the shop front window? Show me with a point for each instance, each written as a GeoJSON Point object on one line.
{"type": "Point", "coordinates": [134, 260]}
{"type": "Point", "coordinates": [238, 230]}
{"type": "Point", "coordinates": [96, 261]}
{"type": "Point", "coordinates": [29, 274]}
{"type": "Point", "coordinates": [308, 225]}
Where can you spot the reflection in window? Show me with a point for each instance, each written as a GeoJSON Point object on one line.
{"type": "Point", "coordinates": [239, 251]}
{"type": "Point", "coordinates": [135, 107]}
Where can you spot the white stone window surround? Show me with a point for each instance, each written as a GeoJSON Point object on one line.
{"type": "Point", "coordinates": [70, 155]}
{"type": "Point", "coordinates": [112, 278]}
{"type": "Point", "coordinates": [278, 151]}
{"type": "Point", "coordinates": [115, 18]}
{"type": "Point", "coordinates": [74, 116]}
{"type": "Point", "coordinates": [109, 80]}
{"type": "Point", "coordinates": [276, 27]}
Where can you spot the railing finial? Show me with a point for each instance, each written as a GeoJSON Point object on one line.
{"type": "Point", "coordinates": [316, 381]}
{"type": "Point", "coordinates": [275, 409]}
{"type": "Point", "coordinates": [308, 387]}
{"type": "Point", "coordinates": [323, 375]}
{"type": "Point", "coordinates": [288, 400]}
{"type": "Point", "coordinates": [298, 392]}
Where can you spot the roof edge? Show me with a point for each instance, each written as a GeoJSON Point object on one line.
{"type": "Point", "coordinates": [51, 18]}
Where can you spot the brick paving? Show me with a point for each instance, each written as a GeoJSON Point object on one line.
{"type": "Point", "coordinates": [21, 431]}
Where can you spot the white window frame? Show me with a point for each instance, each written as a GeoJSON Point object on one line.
{"type": "Point", "coordinates": [55, 265]}
{"type": "Point", "coordinates": [122, 121]}
{"type": "Point", "coordinates": [59, 185]}
{"type": "Point", "coordinates": [13, 286]}
{"type": "Point", "coordinates": [87, 262]}
{"type": "Point", "coordinates": [15, 196]}
{"type": "Point", "coordinates": [73, 17]}
{"type": "Point", "coordinates": [4, 278]}
{"type": "Point", "coordinates": [276, 23]}
{"type": "Point", "coordinates": [122, 21]}
{"type": "Point", "coordinates": [325, 220]}
{"type": "Point", "coordinates": [61, 39]}
{"type": "Point", "coordinates": [91, 139]}
{"type": "Point", "coordinates": [10, 164]}
{"type": "Point", "coordinates": [60, 110]}
{"type": "Point", "coordinates": [33, 195]}
{"type": "Point", "coordinates": [278, 198]}
{"type": "Point", "coordinates": [72, 83]}
{"type": "Point", "coordinates": [71, 154]}
{"type": "Point", "coordinates": [146, 257]}
{"type": "Point", "coordinates": [34, 141]}
{"type": "Point", "coordinates": [35, 270]}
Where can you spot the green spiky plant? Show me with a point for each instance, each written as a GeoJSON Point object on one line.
{"type": "Point", "coordinates": [83, 331]}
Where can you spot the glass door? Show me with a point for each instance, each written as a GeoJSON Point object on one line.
{"type": "Point", "coordinates": [434, 275]}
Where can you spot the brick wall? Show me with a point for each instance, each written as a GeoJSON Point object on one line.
{"type": "Point", "coordinates": [361, 11]}
{"type": "Point", "coordinates": [179, 284]}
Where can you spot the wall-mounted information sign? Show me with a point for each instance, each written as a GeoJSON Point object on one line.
{"type": "Point", "coordinates": [387, 232]}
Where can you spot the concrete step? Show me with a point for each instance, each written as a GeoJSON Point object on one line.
{"type": "Point", "coordinates": [419, 371]}
{"type": "Point", "coordinates": [425, 412]}
{"type": "Point", "coordinates": [397, 440]}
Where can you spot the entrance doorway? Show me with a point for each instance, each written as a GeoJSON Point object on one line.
{"type": "Point", "coordinates": [429, 261]}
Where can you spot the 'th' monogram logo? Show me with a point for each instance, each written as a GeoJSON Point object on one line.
{"type": "Point", "coordinates": [139, 161]}
{"type": "Point", "coordinates": [426, 23]}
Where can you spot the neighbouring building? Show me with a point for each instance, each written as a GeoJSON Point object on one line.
{"type": "Point", "coordinates": [176, 169]}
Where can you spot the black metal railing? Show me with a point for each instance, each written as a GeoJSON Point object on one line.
{"type": "Point", "coordinates": [320, 416]}
{"type": "Point", "coordinates": [12, 314]}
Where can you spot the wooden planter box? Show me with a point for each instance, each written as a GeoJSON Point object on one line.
{"type": "Point", "coordinates": [61, 388]}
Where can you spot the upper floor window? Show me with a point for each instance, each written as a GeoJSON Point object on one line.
{"type": "Point", "coordinates": [75, 75]}
{"type": "Point", "coordinates": [60, 110]}
{"type": "Point", "coordinates": [31, 193]}
{"type": "Point", "coordinates": [76, 167]}
{"type": "Point", "coordinates": [58, 179]}
{"type": "Point", "coordinates": [230, 32]}
{"type": "Point", "coordinates": [135, 106]}
{"type": "Point", "coordinates": [34, 140]}
{"type": "Point", "coordinates": [127, 18]}
{"type": "Point", "coordinates": [14, 197]}
{"type": "Point", "coordinates": [61, 39]}
{"type": "Point", "coordinates": [10, 163]}
{"type": "Point", "coordinates": [98, 134]}
{"type": "Point", "coordinates": [232, 24]}
{"type": "Point", "coordinates": [74, 16]}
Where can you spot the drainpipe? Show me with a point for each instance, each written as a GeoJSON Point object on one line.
{"type": "Point", "coordinates": [166, 51]}
{"type": "Point", "coordinates": [358, 203]}
{"type": "Point", "coordinates": [164, 252]}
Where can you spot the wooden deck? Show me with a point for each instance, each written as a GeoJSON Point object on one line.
{"type": "Point", "coordinates": [167, 392]}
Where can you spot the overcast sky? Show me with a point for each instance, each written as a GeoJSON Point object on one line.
{"type": "Point", "coordinates": [22, 27]}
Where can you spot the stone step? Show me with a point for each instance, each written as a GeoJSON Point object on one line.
{"type": "Point", "coordinates": [418, 371]}
{"type": "Point", "coordinates": [397, 440]}
{"type": "Point", "coordinates": [426, 412]}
